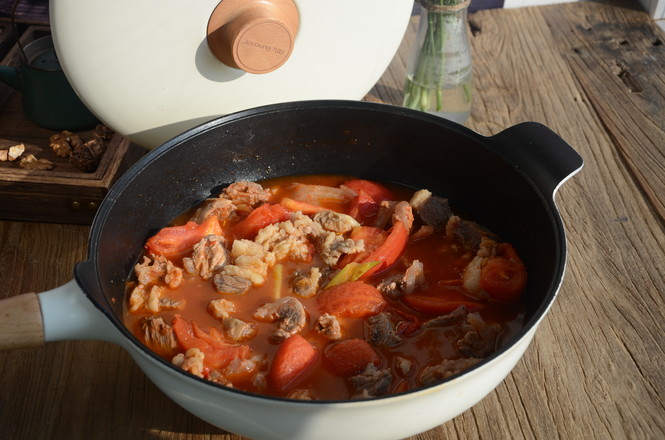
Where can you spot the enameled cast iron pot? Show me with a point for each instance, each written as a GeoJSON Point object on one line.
{"type": "Point", "coordinates": [506, 182]}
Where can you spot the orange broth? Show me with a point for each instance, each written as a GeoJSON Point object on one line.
{"type": "Point", "coordinates": [442, 260]}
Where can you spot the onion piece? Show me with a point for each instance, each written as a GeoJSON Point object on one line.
{"type": "Point", "coordinates": [319, 194]}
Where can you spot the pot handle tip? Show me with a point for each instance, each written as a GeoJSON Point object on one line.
{"type": "Point", "coordinates": [546, 158]}
{"type": "Point", "coordinates": [63, 313]}
{"type": "Point", "coordinates": [21, 324]}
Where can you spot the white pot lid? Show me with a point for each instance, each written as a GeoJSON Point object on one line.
{"type": "Point", "coordinates": [146, 68]}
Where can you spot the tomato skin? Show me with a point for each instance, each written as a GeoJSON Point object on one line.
{"type": "Point", "coordinates": [504, 277]}
{"type": "Point", "coordinates": [437, 305]}
{"type": "Point", "coordinates": [173, 241]}
{"type": "Point", "coordinates": [350, 356]}
{"type": "Point", "coordinates": [363, 206]}
{"type": "Point", "coordinates": [218, 354]}
{"type": "Point", "coordinates": [442, 298]}
{"type": "Point", "coordinates": [368, 199]}
{"type": "Point", "coordinates": [259, 218]}
{"type": "Point", "coordinates": [374, 190]}
{"type": "Point", "coordinates": [291, 362]}
{"type": "Point", "coordinates": [390, 250]}
{"type": "Point", "coordinates": [353, 299]}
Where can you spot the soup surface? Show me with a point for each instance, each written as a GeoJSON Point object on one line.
{"type": "Point", "coordinates": [325, 288]}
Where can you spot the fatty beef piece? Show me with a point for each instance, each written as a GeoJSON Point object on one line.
{"type": "Point", "coordinates": [240, 196]}
{"type": "Point", "coordinates": [288, 312]}
{"type": "Point", "coordinates": [158, 335]}
{"type": "Point", "coordinates": [478, 340]}
{"type": "Point", "coordinates": [371, 382]}
{"type": "Point", "coordinates": [209, 256]}
{"type": "Point", "coordinates": [154, 276]}
{"type": "Point", "coordinates": [245, 195]}
{"type": "Point", "coordinates": [301, 235]}
{"type": "Point", "coordinates": [235, 329]}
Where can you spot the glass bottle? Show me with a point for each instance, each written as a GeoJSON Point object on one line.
{"type": "Point", "coordinates": [439, 72]}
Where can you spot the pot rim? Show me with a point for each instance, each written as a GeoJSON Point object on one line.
{"type": "Point", "coordinates": [88, 269]}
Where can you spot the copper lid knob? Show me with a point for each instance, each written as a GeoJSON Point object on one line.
{"type": "Point", "coordinates": [256, 36]}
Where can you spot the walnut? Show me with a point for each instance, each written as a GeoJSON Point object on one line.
{"type": "Point", "coordinates": [60, 143]}
{"type": "Point", "coordinates": [86, 156]}
{"type": "Point", "coordinates": [4, 155]}
{"type": "Point", "coordinates": [30, 162]}
{"type": "Point", "coordinates": [96, 147]}
{"type": "Point", "coordinates": [103, 132]}
{"type": "Point", "coordinates": [16, 151]}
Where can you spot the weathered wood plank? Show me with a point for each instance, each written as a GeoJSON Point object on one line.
{"type": "Point", "coordinates": [618, 60]}
{"type": "Point", "coordinates": [594, 369]}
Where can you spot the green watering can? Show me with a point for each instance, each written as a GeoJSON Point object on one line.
{"type": "Point", "coordinates": [48, 98]}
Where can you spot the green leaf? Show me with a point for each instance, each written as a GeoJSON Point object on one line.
{"type": "Point", "coordinates": [351, 272]}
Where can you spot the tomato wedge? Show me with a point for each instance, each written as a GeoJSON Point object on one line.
{"type": "Point", "coordinates": [218, 354]}
{"type": "Point", "coordinates": [374, 190]}
{"type": "Point", "coordinates": [368, 199]}
{"type": "Point", "coordinates": [173, 241]}
{"type": "Point", "coordinates": [504, 277]}
{"type": "Point", "coordinates": [350, 356]}
{"type": "Point", "coordinates": [442, 298]}
{"type": "Point", "coordinates": [363, 206]}
{"type": "Point", "coordinates": [259, 218]}
{"type": "Point", "coordinates": [384, 247]}
{"type": "Point", "coordinates": [292, 361]}
{"type": "Point", "coordinates": [353, 299]}
{"type": "Point", "coordinates": [390, 250]}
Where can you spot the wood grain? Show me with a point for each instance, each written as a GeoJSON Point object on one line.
{"type": "Point", "coordinates": [21, 323]}
{"type": "Point", "coordinates": [595, 367]}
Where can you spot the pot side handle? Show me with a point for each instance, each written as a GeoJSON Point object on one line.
{"type": "Point", "coordinates": [63, 313]}
{"type": "Point", "coordinates": [540, 153]}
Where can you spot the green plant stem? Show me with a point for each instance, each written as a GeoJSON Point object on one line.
{"type": "Point", "coordinates": [427, 74]}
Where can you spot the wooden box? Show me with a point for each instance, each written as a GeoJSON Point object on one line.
{"type": "Point", "coordinates": [63, 194]}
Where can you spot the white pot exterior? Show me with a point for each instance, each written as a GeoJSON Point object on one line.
{"type": "Point", "coordinates": [145, 69]}
{"type": "Point", "coordinates": [382, 419]}
{"type": "Point", "coordinates": [69, 314]}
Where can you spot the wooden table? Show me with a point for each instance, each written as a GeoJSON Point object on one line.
{"type": "Point", "coordinates": [595, 74]}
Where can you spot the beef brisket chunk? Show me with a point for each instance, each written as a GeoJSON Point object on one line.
{"type": "Point", "coordinates": [158, 334]}
{"type": "Point", "coordinates": [238, 330]}
{"type": "Point", "coordinates": [466, 233]}
{"type": "Point", "coordinates": [245, 195]}
{"type": "Point", "coordinates": [335, 221]}
{"type": "Point", "coordinates": [306, 284]}
{"type": "Point", "coordinates": [382, 331]}
{"type": "Point", "coordinates": [432, 210]}
{"type": "Point", "coordinates": [288, 312]}
{"type": "Point", "coordinates": [455, 317]}
{"type": "Point", "coordinates": [372, 382]}
{"type": "Point", "coordinates": [449, 367]}
{"type": "Point", "coordinates": [232, 285]}
{"type": "Point", "coordinates": [479, 341]}
{"type": "Point", "coordinates": [396, 285]}
{"type": "Point", "coordinates": [208, 257]}
{"type": "Point", "coordinates": [328, 325]}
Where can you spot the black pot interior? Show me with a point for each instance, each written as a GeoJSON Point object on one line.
{"type": "Point", "coordinates": [367, 140]}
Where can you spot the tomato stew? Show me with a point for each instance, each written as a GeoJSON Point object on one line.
{"type": "Point", "coordinates": [325, 288]}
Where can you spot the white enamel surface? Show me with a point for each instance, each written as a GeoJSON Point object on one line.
{"type": "Point", "coordinates": [392, 418]}
{"type": "Point", "coordinates": [144, 67]}
{"type": "Point", "coordinates": [69, 314]}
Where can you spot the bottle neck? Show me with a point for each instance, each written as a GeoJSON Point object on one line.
{"type": "Point", "coordinates": [441, 8]}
